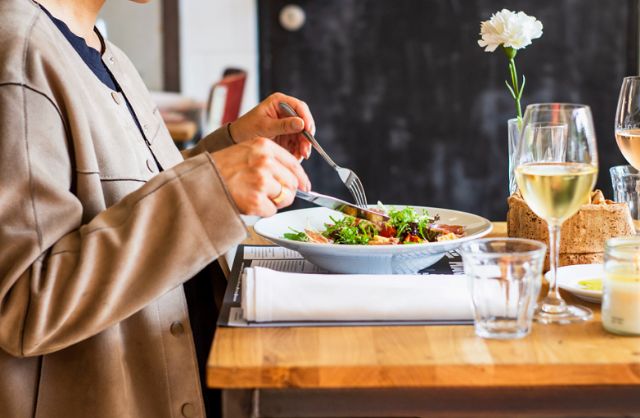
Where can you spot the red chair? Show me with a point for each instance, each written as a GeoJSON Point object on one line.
{"type": "Point", "coordinates": [225, 99]}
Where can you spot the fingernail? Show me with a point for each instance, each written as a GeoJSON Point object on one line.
{"type": "Point", "coordinates": [297, 124]}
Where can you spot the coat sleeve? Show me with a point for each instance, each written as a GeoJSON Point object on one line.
{"type": "Point", "coordinates": [213, 142]}
{"type": "Point", "coordinates": [61, 281]}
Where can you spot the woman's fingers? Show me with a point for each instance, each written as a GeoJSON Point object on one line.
{"type": "Point", "coordinates": [268, 120]}
{"type": "Point", "coordinates": [283, 126]}
{"type": "Point", "coordinates": [304, 148]}
{"type": "Point", "coordinates": [300, 107]}
{"type": "Point", "coordinates": [277, 178]}
{"type": "Point", "coordinates": [292, 165]}
{"type": "Point", "coordinates": [261, 176]}
{"type": "Point", "coordinates": [278, 182]}
{"type": "Point", "coordinates": [301, 149]}
{"type": "Point", "coordinates": [283, 197]}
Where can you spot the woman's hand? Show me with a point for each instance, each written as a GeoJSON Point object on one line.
{"type": "Point", "coordinates": [260, 175]}
{"type": "Point", "coordinates": [267, 120]}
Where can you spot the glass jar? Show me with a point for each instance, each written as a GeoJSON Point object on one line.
{"type": "Point", "coordinates": [621, 286]}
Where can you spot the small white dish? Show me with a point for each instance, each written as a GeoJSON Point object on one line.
{"type": "Point", "coordinates": [569, 278]}
{"type": "Point", "coordinates": [368, 259]}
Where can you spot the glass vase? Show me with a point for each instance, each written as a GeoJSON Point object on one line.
{"type": "Point", "coordinates": [514, 136]}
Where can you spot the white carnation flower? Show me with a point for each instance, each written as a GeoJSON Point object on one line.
{"type": "Point", "coordinates": [509, 29]}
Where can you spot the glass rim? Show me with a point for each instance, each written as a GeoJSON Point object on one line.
{"type": "Point", "coordinates": [623, 246]}
{"type": "Point", "coordinates": [618, 169]}
{"type": "Point", "coordinates": [540, 247]}
{"type": "Point", "coordinates": [632, 77]}
{"type": "Point", "coordinates": [566, 105]}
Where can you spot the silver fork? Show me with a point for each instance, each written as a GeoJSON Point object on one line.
{"type": "Point", "coordinates": [348, 177]}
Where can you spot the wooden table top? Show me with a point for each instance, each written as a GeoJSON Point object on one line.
{"type": "Point", "coordinates": [421, 356]}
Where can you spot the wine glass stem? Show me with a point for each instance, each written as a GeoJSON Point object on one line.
{"type": "Point", "coordinates": [553, 302]}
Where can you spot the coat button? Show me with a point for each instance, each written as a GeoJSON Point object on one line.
{"type": "Point", "coordinates": [111, 60]}
{"type": "Point", "coordinates": [116, 97]}
{"type": "Point", "coordinates": [176, 328]}
{"type": "Point", "coordinates": [188, 410]}
{"type": "Point", "coordinates": [145, 127]}
{"type": "Point", "coordinates": [151, 165]}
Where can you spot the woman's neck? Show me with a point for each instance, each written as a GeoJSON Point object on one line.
{"type": "Point", "coordinates": [79, 15]}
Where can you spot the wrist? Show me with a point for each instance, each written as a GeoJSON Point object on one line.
{"type": "Point", "coordinates": [231, 136]}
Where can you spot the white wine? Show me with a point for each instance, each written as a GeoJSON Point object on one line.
{"type": "Point", "coordinates": [629, 143]}
{"type": "Point", "coordinates": [555, 191]}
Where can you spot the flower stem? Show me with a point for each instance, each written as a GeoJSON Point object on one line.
{"type": "Point", "coordinates": [516, 87]}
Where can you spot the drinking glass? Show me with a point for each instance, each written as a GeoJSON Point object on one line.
{"type": "Point", "coordinates": [621, 286]}
{"type": "Point", "coordinates": [557, 167]}
{"type": "Point", "coordinates": [626, 187]}
{"type": "Point", "coordinates": [504, 280]}
{"type": "Point", "coordinates": [627, 127]}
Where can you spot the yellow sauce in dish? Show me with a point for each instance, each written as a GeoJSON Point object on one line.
{"type": "Point", "coordinates": [591, 284]}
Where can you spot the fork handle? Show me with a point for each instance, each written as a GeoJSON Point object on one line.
{"type": "Point", "coordinates": [289, 111]}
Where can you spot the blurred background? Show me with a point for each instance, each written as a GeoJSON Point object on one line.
{"type": "Point", "coordinates": [400, 90]}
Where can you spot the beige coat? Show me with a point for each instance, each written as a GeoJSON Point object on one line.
{"type": "Point", "coordinates": [94, 243]}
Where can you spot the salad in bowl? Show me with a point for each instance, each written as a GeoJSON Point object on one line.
{"type": "Point", "coordinates": [405, 226]}
{"type": "Point", "coordinates": [414, 238]}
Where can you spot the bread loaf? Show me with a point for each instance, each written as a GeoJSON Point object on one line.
{"type": "Point", "coordinates": [583, 236]}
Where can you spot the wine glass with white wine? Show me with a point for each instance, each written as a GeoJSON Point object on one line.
{"type": "Point", "coordinates": [628, 121]}
{"type": "Point", "coordinates": [556, 169]}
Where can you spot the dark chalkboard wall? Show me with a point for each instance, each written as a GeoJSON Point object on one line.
{"type": "Point", "coordinates": [402, 93]}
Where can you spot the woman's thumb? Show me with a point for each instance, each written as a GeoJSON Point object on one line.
{"type": "Point", "coordinates": [284, 126]}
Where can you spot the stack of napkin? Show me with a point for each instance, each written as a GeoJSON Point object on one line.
{"type": "Point", "coordinates": [269, 295]}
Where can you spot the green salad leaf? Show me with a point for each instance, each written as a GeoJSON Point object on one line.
{"type": "Point", "coordinates": [408, 221]}
{"type": "Point", "coordinates": [296, 235]}
{"type": "Point", "coordinates": [405, 226]}
{"type": "Point", "coordinates": [350, 230]}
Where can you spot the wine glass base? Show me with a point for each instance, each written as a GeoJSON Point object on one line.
{"type": "Point", "coordinates": [572, 314]}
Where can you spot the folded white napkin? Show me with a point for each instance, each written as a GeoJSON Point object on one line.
{"type": "Point", "coordinates": [269, 295]}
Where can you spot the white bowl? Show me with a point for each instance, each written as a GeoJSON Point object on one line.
{"type": "Point", "coordinates": [371, 259]}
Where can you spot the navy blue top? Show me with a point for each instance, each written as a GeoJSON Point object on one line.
{"type": "Point", "coordinates": [89, 55]}
{"type": "Point", "coordinates": [93, 59]}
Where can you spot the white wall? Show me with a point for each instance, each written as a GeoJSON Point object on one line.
{"type": "Point", "coordinates": [137, 30]}
{"type": "Point", "coordinates": [214, 35]}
